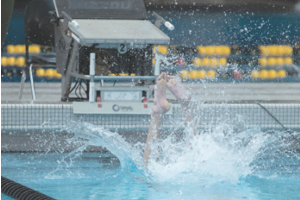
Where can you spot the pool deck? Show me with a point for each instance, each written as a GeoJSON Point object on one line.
{"type": "Point", "coordinates": [213, 92]}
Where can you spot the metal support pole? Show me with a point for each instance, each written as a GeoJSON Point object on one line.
{"type": "Point", "coordinates": [156, 68]}
{"type": "Point", "coordinates": [31, 82]}
{"type": "Point", "coordinates": [92, 81]}
{"type": "Point", "coordinates": [22, 84]}
{"type": "Point", "coordinates": [157, 65]}
{"type": "Point", "coordinates": [67, 80]}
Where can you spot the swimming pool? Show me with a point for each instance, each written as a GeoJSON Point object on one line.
{"type": "Point", "coordinates": [217, 164]}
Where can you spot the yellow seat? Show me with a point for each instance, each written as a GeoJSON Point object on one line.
{"type": "Point", "coordinates": [40, 72]}
{"type": "Point", "coordinates": [211, 51]}
{"type": "Point", "coordinates": [262, 62]}
{"type": "Point", "coordinates": [202, 50]}
{"type": "Point", "coordinates": [271, 61]}
{"type": "Point", "coordinates": [37, 49]}
{"type": "Point", "coordinates": [225, 50]}
{"type": "Point", "coordinates": [272, 50]}
{"type": "Point", "coordinates": [49, 73]}
{"type": "Point", "coordinates": [56, 75]}
{"type": "Point", "coordinates": [3, 61]}
{"type": "Point", "coordinates": [264, 50]}
{"type": "Point", "coordinates": [184, 74]}
{"type": "Point", "coordinates": [132, 74]}
{"type": "Point", "coordinates": [111, 75]}
{"type": "Point", "coordinates": [279, 61]}
{"type": "Point", "coordinates": [222, 62]}
{"type": "Point", "coordinates": [254, 74]}
{"type": "Point", "coordinates": [263, 74]}
{"type": "Point", "coordinates": [272, 74]}
{"type": "Point", "coordinates": [193, 74]}
{"type": "Point", "coordinates": [201, 74]}
{"type": "Point", "coordinates": [213, 62]}
{"type": "Point", "coordinates": [20, 49]}
{"type": "Point", "coordinates": [205, 62]}
{"type": "Point", "coordinates": [287, 50]}
{"type": "Point", "coordinates": [153, 61]}
{"type": "Point", "coordinates": [211, 74]}
{"type": "Point", "coordinates": [34, 49]}
{"type": "Point", "coordinates": [280, 51]}
{"type": "Point", "coordinates": [288, 60]}
{"type": "Point", "coordinates": [11, 61]}
{"type": "Point", "coordinates": [31, 49]}
{"type": "Point", "coordinates": [218, 50]}
{"type": "Point", "coordinates": [281, 74]}
{"type": "Point", "coordinates": [161, 49]}
{"type": "Point", "coordinates": [123, 74]}
{"type": "Point", "coordinates": [20, 61]}
{"type": "Point", "coordinates": [197, 62]}
{"type": "Point", "coordinates": [10, 49]}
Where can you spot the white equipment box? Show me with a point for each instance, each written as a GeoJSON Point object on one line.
{"type": "Point", "coordinates": [117, 100]}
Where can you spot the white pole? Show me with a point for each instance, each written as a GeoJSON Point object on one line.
{"type": "Point", "coordinates": [92, 81]}
{"type": "Point", "coordinates": [157, 62]}
{"type": "Point", "coordinates": [156, 67]}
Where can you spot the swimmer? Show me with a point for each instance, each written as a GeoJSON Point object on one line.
{"type": "Point", "coordinates": [161, 106]}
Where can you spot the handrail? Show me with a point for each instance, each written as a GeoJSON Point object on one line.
{"type": "Point", "coordinates": [88, 77]}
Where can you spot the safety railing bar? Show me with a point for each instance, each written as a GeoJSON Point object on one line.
{"type": "Point", "coordinates": [88, 77]}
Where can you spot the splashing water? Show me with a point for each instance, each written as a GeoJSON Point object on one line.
{"type": "Point", "coordinates": [218, 160]}
{"type": "Point", "coordinates": [224, 161]}
{"type": "Point", "coordinates": [214, 156]}
{"type": "Point", "coordinates": [113, 142]}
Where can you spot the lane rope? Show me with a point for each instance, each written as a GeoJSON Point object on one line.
{"type": "Point", "coordinates": [20, 192]}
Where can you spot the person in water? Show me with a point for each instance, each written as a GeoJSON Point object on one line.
{"type": "Point", "coordinates": [161, 106]}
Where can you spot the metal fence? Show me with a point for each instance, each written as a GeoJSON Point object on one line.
{"type": "Point", "coordinates": [55, 116]}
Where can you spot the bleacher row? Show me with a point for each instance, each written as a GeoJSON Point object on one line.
{"type": "Point", "coordinates": [203, 74]}
{"type": "Point", "coordinates": [213, 56]}
{"type": "Point", "coordinates": [272, 60]}
{"type": "Point", "coordinates": [208, 55]}
{"type": "Point", "coordinates": [266, 51]}
{"type": "Point", "coordinates": [14, 60]}
{"type": "Point", "coordinates": [204, 51]}
{"type": "Point", "coordinates": [21, 49]}
{"type": "Point", "coordinates": [262, 62]}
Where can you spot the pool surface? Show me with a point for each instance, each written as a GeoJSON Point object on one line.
{"type": "Point", "coordinates": [97, 176]}
{"type": "Point", "coordinates": [247, 165]}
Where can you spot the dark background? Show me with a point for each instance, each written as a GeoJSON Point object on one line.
{"type": "Point", "coordinates": [210, 22]}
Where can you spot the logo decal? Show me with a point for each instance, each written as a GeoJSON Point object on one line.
{"type": "Point", "coordinates": [116, 108]}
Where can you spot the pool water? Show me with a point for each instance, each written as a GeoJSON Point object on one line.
{"type": "Point", "coordinates": [97, 176]}
{"type": "Point", "coordinates": [213, 165]}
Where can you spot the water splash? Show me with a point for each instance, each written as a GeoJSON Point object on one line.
{"type": "Point", "coordinates": [214, 156]}
{"type": "Point", "coordinates": [227, 152]}
{"type": "Point", "coordinates": [130, 158]}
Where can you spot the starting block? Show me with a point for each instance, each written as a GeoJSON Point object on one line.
{"type": "Point", "coordinates": [120, 29]}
